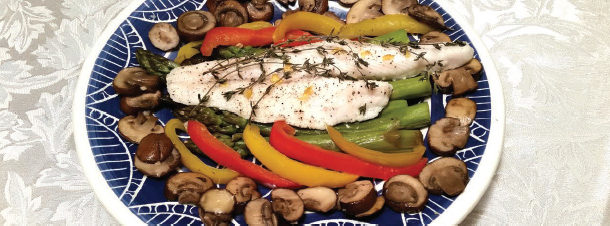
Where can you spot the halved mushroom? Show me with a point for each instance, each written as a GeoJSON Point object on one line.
{"type": "Point", "coordinates": [463, 109]}
{"type": "Point", "coordinates": [230, 13]}
{"type": "Point", "coordinates": [404, 194]}
{"type": "Point", "coordinates": [192, 25]}
{"type": "Point", "coordinates": [164, 36]}
{"type": "Point", "coordinates": [287, 203]}
{"type": "Point", "coordinates": [357, 197]}
{"type": "Point", "coordinates": [321, 199]}
{"type": "Point", "coordinates": [155, 157]}
{"type": "Point", "coordinates": [446, 175]}
{"type": "Point", "coordinates": [134, 129]}
{"type": "Point", "coordinates": [260, 212]}
{"type": "Point", "coordinates": [215, 207]}
{"type": "Point", "coordinates": [376, 207]}
{"type": "Point", "coordinates": [457, 81]}
{"type": "Point", "coordinates": [334, 16]}
{"type": "Point", "coordinates": [474, 67]}
{"type": "Point", "coordinates": [244, 190]}
{"type": "Point", "coordinates": [187, 187]}
{"type": "Point", "coordinates": [434, 37]}
{"type": "Point", "coordinates": [362, 10]}
{"type": "Point", "coordinates": [133, 81]}
{"type": "Point", "coordinates": [314, 6]}
{"type": "Point", "coordinates": [427, 15]}
{"type": "Point", "coordinates": [447, 135]}
{"type": "Point", "coordinates": [348, 2]}
{"type": "Point", "coordinates": [259, 10]}
{"type": "Point", "coordinates": [396, 6]}
{"type": "Point", "coordinates": [135, 104]}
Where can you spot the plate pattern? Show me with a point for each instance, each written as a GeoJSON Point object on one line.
{"type": "Point", "coordinates": [143, 196]}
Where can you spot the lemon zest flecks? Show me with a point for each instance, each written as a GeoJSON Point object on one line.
{"type": "Point", "coordinates": [306, 94]}
{"type": "Point", "coordinates": [248, 93]}
{"type": "Point", "coordinates": [275, 78]}
{"type": "Point", "coordinates": [388, 57]}
{"type": "Point", "coordinates": [287, 68]}
{"type": "Point", "coordinates": [365, 53]}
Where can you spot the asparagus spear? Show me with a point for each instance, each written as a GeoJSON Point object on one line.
{"type": "Point", "coordinates": [411, 88]}
{"type": "Point", "coordinates": [155, 64]}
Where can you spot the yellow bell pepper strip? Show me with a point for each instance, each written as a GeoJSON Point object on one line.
{"type": "Point", "coordinates": [290, 169]}
{"type": "Point", "coordinates": [307, 21]}
{"type": "Point", "coordinates": [256, 25]}
{"type": "Point", "coordinates": [187, 51]}
{"type": "Point", "coordinates": [224, 155]}
{"type": "Point", "coordinates": [191, 161]}
{"type": "Point", "coordinates": [386, 159]}
{"type": "Point", "coordinates": [383, 25]}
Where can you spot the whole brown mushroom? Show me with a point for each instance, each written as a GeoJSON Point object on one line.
{"type": "Point", "coordinates": [314, 6]}
{"type": "Point", "coordinates": [192, 25]}
{"type": "Point", "coordinates": [230, 13]}
{"type": "Point", "coordinates": [445, 175]}
{"type": "Point", "coordinates": [259, 10]}
{"type": "Point", "coordinates": [134, 128]}
{"type": "Point", "coordinates": [362, 10]}
{"type": "Point", "coordinates": [155, 157]}
{"type": "Point", "coordinates": [134, 81]}
{"type": "Point", "coordinates": [187, 187]}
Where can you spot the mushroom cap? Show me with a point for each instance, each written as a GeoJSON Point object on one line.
{"type": "Point", "coordinates": [159, 169]}
{"type": "Point", "coordinates": [375, 208]}
{"type": "Point", "coordinates": [362, 10]}
{"type": "Point", "coordinates": [463, 109]}
{"type": "Point", "coordinates": [447, 135]}
{"type": "Point", "coordinates": [134, 129]}
{"type": "Point", "coordinates": [260, 212]}
{"type": "Point", "coordinates": [458, 81]}
{"type": "Point", "coordinates": [445, 175]}
{"type": "Point", "coordinates": [230, 13]}
{"type": "Point", "coordinates": [287, 203]}
{"type": "Point", "coordinates": [217, 201]}
{"type": "Point", "coordinates": [315, 6]}
{"type": "Point", "coordinates": [154, 147]}
{"type": "Point", "coordinates": [258, 12]}
{"type": "Point", "coordinates": [427, 15]}
{"type": "Point", "coordinates": [192, 25]}
{"type": "Point", "coordinates": [357, 197]}
{"type": "Point", "coordinates": [321, 199]}
{"type": "Point", "coordinates": [404, 194]}
{"type": "Point", "coordinates": [396, 6]}
{"type": "Point", "coordinates": [434, 37]}
{"type": "Point", "coordinates": [164, 36]}
{"type": "Point", "coordinates": [131, 105]}
{"type": "Point", "coordinates": [187, 187]}
{"type": "Point", "coordinates": [133, 81]}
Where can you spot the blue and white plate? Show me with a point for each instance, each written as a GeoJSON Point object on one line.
{"type": "Point", "coordinates": [133, 198]}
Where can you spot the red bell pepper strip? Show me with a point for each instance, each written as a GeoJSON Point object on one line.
{"type": "Point", "coordinates": [282, 138]}
{"type": "Point", "coordinates": [227, 36]}
{"type": "Point", "coordinates": [224, 155]}
{"type": "Point", "coordinates": [298, 38]}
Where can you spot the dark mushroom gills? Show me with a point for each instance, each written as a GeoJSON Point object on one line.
{"type": "Point", "coordinates": [187, 187]}
{"type": "Point", "coordinates": [193, 25]}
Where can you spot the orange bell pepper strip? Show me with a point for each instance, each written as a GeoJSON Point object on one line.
{"type": "Point", "coordinates": [307, 21]}
{"type": "Point", "coordinates": [224, 155]}
{"type": "Point", "coordinates": [386, 159]}
{"type": "Point", "coordinates": [290, 169]}
{"type": "Point", "coordinates": [191, 161]}
{"type": "Point", "coordinates": [227, 36]}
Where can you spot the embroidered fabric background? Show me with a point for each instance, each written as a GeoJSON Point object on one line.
{"type": "Point", "coordinates": [552, 57]}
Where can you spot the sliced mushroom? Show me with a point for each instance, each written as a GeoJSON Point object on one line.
{"type": "Point", "coordinates": [164, 36]}
{"type": "Point", "coordinates": [259, 10]}
{"type": "Point", "coordinates": [348, 2]}
{"type": "Point", "coordinates": [133, 81]}
{"type": "Point", "coordinates": [215, 207]}
{"type": "Point", "coordinates": [474, 67]}
{"type": "Point", "coordinates": [334, 16]}
{"type": "Point", "coordinates": [135, 104]}
{"type": "Point", "coordinates": [362, 10]}
{"type": "Point", "coordinates": [396, 6]}
{"type": "Point", "coordinates": [357, 197]}
{"type": "Point", "coordinates": [376, 207]}
{"type": "Point", "coordinates": [192, 25]}
{"type": "Point", "coordinates": [434, 37]}
{"type": "Point", "coordinates": [161, 168]}
{"type": "Point", "coordinates": [134, 129]}
{"type": "Point", "coordinates": [446, 175]}
{"type": "Point", "coordinates": [457, 81]}
{"type": "Point", "coordinates": [427, 15]}
{"type": "Point", "coordinates": [260, 212]}
{"type": "Point", "coordinates": [405, 194]}
{"type": "Point", "coordinates": [447, 135]}
{"type": "Point", "coordinates": [321, 199]}
{"type": "Point", "coordinates": [187, 187]}
{"type": "Point", "coordinates": [244, 190]}
{"type": "Point", "coordinates": [287, 203]}
{"type": "Point", "coordinates": [230, 13]}
{"type": "Point", "coordinates": [463, 109]}
{"type": "Point", "coordinates": [314, 6]}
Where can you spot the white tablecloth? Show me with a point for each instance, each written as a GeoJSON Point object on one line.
{"type": "Point", "coordinates": [552, 56]}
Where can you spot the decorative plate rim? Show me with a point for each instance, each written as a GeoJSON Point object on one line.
{"type": "Point", "coordinates": [454, 214]}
